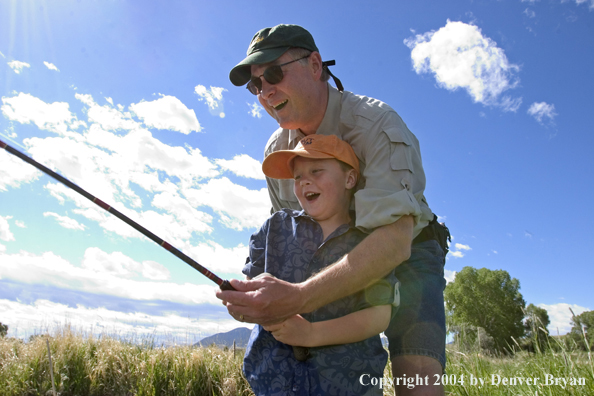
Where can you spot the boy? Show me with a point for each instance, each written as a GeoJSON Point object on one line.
{"type": "Point", "coordinates": [342, 337]}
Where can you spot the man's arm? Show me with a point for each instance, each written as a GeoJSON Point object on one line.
{"type": "Point", "coordinates": [354, 327]}
{"type": "Point", "coordinates": [269, 300]}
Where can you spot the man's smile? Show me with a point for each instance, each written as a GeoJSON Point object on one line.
{"type": "Point", "coordinates": [281, 104]}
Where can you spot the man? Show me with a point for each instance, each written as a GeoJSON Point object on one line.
{"type": "Point", "coordinates": [285, 70]}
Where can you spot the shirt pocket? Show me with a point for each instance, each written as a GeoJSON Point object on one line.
{"type": "Point", "coordinates": [400, 150]}
{"type": "Point", "coordinates": [286, 190]}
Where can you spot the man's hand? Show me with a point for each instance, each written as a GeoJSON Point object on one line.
{"type": "Point", "coordinates": [265, 300]}
{"type": "Point", "coordinates": [295, 331]}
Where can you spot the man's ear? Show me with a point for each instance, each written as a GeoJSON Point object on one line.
{"type": "Point", "coordinates": [315, 63]}
{"type": "Point", "coordinates": [351, 179]}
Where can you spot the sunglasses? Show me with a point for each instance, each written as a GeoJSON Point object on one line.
{"type": "Point", "coordinates": [272, 75]}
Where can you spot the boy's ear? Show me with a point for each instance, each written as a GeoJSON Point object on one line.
{"type": "Point", "coordinates": [351, 179]}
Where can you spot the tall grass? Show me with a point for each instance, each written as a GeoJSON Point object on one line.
{"type": "Point", "coordinates": [87, 365]}
{"type": "Point", "coordinates": [106, 366]}
{"type": "Point", "coordinates": [559, 360]}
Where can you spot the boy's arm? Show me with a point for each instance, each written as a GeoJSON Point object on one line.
{"type": "Point", "coordinates": [354, 327]}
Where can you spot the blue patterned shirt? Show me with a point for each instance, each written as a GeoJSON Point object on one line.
{"type": "Point", "coordinates": [290, 246]}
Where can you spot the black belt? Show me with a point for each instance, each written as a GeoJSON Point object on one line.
{"type": "Point", "coordinates": [436, 231]}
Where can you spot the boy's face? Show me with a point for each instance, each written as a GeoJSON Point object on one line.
{"type": "Point", "coordinates": [322, 188]}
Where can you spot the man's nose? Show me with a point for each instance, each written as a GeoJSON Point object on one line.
{"type": "Point", "coordinates": [267, 88]}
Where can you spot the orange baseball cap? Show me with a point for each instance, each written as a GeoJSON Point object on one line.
{"type": "Point", "coordinates": [279, 165]}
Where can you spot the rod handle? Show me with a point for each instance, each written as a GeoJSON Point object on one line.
{"type": "Point", "coordinates": [226, 285]}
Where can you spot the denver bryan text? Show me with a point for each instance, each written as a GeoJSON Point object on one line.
{"type": "Point", "coordinates": [548, 380]}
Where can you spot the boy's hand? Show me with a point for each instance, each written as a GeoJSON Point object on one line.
{"type": "Point", "coordinates": [295, 331]}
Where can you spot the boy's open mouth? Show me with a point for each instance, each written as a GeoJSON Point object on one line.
{"type": "Point", "coordinates": [311, 196]}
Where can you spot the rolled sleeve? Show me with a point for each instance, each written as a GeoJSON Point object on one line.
{"type": "Point", "coordinates": [393, 176]}
{"type": "Point", "coordinates": [378, 207]}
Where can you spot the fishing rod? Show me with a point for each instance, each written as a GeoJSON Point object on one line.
{"type": "Point", "coordinates": [301, 353]}
{"type": "Point", "coordinates": [223, 284]}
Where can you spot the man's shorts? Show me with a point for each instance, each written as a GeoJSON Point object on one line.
{"type": "Point", "coordinates": [418, 328]}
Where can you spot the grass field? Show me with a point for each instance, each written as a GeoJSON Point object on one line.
{"type": "Point", "coordinates": [86, 365]}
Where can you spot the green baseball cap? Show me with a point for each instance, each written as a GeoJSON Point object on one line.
{"type": "Point", "coordinates": [268, 45]}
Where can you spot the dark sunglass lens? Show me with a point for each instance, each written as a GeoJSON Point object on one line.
{"type": "Point", "coordinates": [255, 86]}
{"type": "Point", "coordinates": [274, 74]}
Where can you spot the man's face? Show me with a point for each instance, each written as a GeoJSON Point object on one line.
{"type": "Point", "coordinates": [293, 102]}
{"type": "Point", "coordinates": [322, 188]}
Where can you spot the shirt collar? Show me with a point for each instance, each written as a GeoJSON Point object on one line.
{"type": "Point", "coordinates": [328, 125]}
{"type": "Point", "coordinates": [337, 232]}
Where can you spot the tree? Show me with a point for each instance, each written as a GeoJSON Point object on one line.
{"type": "Point", "coordinates": [3, 329]}
{"type": "Point", "coordinates": [488, 299]}
{"type": "Point", "coordinates": [535, 326]}
{"type": "Point", "coordinates": [580, 332]}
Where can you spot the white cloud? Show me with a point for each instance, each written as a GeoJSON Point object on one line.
{"type": "Point", "coordinates": [459, 56]}
{"type": "Point", "coordinates": [120, 265]}
{"type": "Point", "coordinates": [44, 315]}
{"type": "Point", "coordinates": [101, 273]}
{"type": "Point", "coordinates": [542, 112]}
{"type": "Point", "coordinates": [107, 117]}
{"type": "Point", "coordinates": [255, 110]}
{"type": "Point", "coordinates": [20, 224]}
{"type": "Point", "coordinates": [113, 165]}
{"type": "Point", "coordinates": [172, 227]}
{"type": "Point", "coordinates": [213, 98]}
{"type": "Point", "coordinates": [65, 221]}
{"type": "Point", "coordinates": [14, 172]}
{"type": "Point", "coordinates": [591, 6]}
{"type": "Point", "coordinates": [237, 206]}
{"type": "Point", "coordinates": [220, 259]}
{"type": "Point", "coordinates": [5, 234]}
{"type": "Point", "coordinates": [508, 103]}
{"type": "Point", "coordinates": [460, 246]}
{"type": "Point", "coordinates": [25, 108]}
{"type": "Point", "coordinates": [51, 66]}
{"type": "Point", "coordinates": [529, 13]}
{"type": "Point", "coordinates": [2, 55]}
{"type": "Point", "coordinates": [243, 165]}
{"type": "Point", "coordinates": [458, 253]}
{"type": "Point", "coordinates": [560, 316]}
{"type": "Point", "coordinates": [449, 275]}
{"type": "Point", "coordinates": [18, 66]}
{"type": "Point", "coordinates": [167, 112]}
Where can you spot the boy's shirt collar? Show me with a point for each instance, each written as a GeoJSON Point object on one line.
{"type": "Point", "coordinates": [342, 229]}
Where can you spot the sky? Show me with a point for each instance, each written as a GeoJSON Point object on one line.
{"type": "Point", "coordinates": [131, 101]}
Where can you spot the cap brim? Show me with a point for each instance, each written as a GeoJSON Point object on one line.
{"type": "Point", "coordinates": [241, 73]}
{"type": "Point", "coordinates": [278, 164]}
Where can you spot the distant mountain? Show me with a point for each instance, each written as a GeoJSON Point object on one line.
{"type": "Point", "coordinates": [241, 335]}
